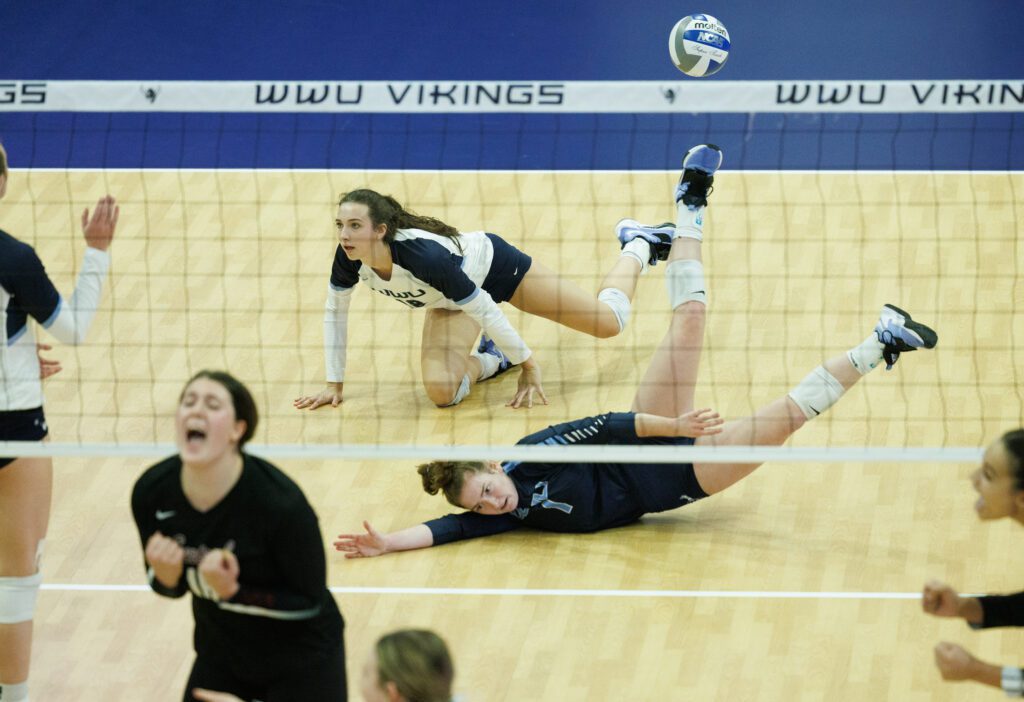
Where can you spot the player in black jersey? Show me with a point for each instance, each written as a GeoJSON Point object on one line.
{"type": "Point", "coordinates": [583, 497]}
{"type": "Point", "coordinates": [999, 482]}
{"type": "Point", "coordinates": [26, 483]}
{"type": "Point", "coordinates": [460, 278]}
{"type": "Point", "coordinates": [239, 535]}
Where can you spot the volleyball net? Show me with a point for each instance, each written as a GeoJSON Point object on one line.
{"type": "Point", "coordinates": [824, 211]}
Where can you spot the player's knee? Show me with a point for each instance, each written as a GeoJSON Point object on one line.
{"type": "Point", "coordinates": [18, 597]}
{"type": "Point", "coordinates": [689, 317]}
{"type": "Point", "coordinates": [21, 559]}
{"type": "Point", "coordinates": [618, 308]}
{"type": "Point", "coordinates": [447, 391]}
{"type": "Point", "coordinates": [19, 587]}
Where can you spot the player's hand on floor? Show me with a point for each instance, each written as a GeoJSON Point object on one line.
{"type": "Point", "coordinates": [367, 545]}
{"type": "Point", "coordinates": [330, 395]}
{"type": "Point", "coordinates": [529, 386]}
{"type": "Point", "coordinates": [699, 422]}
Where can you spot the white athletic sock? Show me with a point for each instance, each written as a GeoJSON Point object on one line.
{"type": "Point", "coordinates": [14, 693]}
{"type": "Point", "coordinates": [685, 282]}
{"type": "Point", "coordinates": [619, 303]}
{"type": "Point", "coordinates": [689, 223]}
{"type": "Point", "coordinates": [867, 355]}
{"type": "Point", "coordinates": [817, 392]}
{"type": "Point", "coordinates": [640, 249]}
{"type": "Point", "coordinates": [488, 364]}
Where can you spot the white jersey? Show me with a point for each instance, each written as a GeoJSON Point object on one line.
{"type": "Point", "coordinates": [26, 291]}
{"type": "Point", "coordinates": [428, 270]}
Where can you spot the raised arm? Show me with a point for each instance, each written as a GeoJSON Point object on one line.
{"type": "Point", "coordinates": [70, 323]}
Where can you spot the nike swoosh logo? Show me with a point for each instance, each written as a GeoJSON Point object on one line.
{"type": "Point", "coordinates": [816, 412]}
{"type": "Point", "coordinates": [161, 515]}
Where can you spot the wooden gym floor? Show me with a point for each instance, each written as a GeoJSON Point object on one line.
{"type": "Point", "coordinates": [229, 270]}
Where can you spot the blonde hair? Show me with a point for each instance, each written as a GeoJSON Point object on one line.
{"type": "Point", "coordinates": [418, 663]}
{"type": "Point", "coordinates": [3, 161]}
{"type": "Point", "coordinates": [448, 477]}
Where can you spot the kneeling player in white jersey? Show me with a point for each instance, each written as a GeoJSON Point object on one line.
{"type": "Point", "coordinates": [461, 278]}
{"type": "Point", "coordinates": [26, 483]}
{"type": "Point", "coordinates": [586, 497]}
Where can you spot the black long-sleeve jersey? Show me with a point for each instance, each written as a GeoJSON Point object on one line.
{"type": "Point", "coordinates": [1002, 610]}
{"type": "Point", "coordinates": [581, 497]}
{"type": "Point", "coordinates": [283, 617]}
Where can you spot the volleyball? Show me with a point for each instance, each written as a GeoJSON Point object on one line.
{"type": "Point", "coordinates": [699, 45]}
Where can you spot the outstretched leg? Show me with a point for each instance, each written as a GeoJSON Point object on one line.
{"type": "Point", "coordinates": [668, 385]}
{"type": "Point", "coordinates": [895, 332]}
{"type": "Point", "coordinates": [545, 293]}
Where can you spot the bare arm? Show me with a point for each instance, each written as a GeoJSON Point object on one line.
{"type": "Point", "coordinates": [373, 543]}
{"type": "Point", "coordinates": [955, 663]}
{"type": "Point", "coordinates": [941, 600]}
{"type": "Point", "coordinates": [695, 423]}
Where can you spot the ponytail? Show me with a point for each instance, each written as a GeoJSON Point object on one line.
{"type": "Point", "coordinates": [386, 210]}
{"type": "Point", "coordinates": [448, 477]}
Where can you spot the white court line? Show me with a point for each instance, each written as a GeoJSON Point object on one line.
{"type": "Point", "coordinates": [543, 592]}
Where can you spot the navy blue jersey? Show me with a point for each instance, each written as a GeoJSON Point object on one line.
{"type": "Point", "coordinates": [427, 268]}
{"type": "Point", "coordinates": [27, 292]}
{"type": "Point", "coordinates": [576, 497]}
{"type": "Point", "coordinates": [28, 289]}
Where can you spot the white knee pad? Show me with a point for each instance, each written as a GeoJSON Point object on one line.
{"type": "Point", "coordinates": [817, 392]}
{"type": "Point", "coordinates": [461, 393]}
{"type": "Point", "coordinates": [685, 282]}
{"type": "Point", "coordinates": [619, 303]}
{"type": "Point", "coordinates": [18, 596]}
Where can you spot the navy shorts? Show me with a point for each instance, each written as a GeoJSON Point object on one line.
{"type": "Point", "coordinates": [665, 486]}
{"type": "Point", "coordinates": [22, 425]}
{"type": "Point", "coordinates": [508, 267]}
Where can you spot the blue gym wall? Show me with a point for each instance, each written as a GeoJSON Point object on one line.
{"type": "Point", "coordinates": [501, 40]}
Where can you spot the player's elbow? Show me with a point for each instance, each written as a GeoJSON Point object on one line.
{"type": "Point", "coordinates": [607, 328]}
